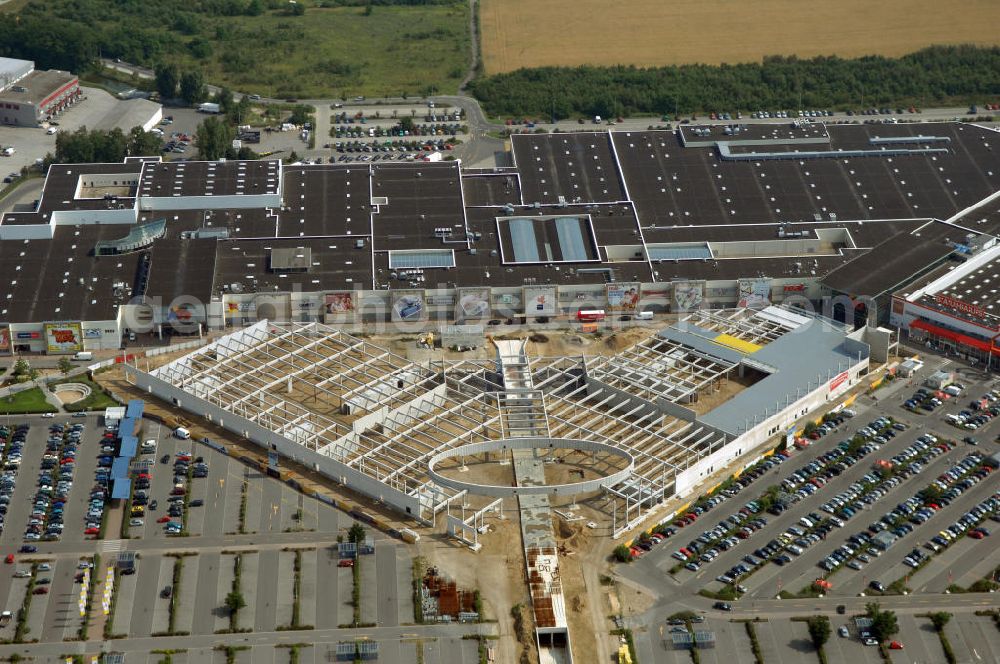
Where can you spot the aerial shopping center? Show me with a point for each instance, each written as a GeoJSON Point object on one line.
{"type": "Point", "coordinates": [660, 221]}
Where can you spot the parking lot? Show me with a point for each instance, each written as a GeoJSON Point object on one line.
{"type": "Point", "coordinates": [285, 542]}
{"type": "Point", "coordinates": [907, 474]}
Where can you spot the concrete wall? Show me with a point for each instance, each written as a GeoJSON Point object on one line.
{"type": "Point", "coordinates": [27, 231]}
{"type": "Point", "coordinates": [19, 114]}
{"type": "Point", "coordinates": [98, 216]}
{"type": "Point", "coordinates": [102, 335]}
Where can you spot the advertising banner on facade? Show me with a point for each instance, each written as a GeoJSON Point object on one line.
{"type": "Point", "coordinates": [539, 300]}
{"type": "Point", "coordinates": [5, 346]}
{"type": "Point", "coordinates": [65, 338]}
{"type": "Point", "coordinates": [472, 304]}
{"type": "Point", "coordinates": [688, 295]}
{"type": "Point", "coordinates": [408, 306]}
{"type": "Point", "coordinates": [754, 293]}
{"type": "Point", "coordinates": [339, 307]}
{"type": "Point", "coordinates": [623, 296]}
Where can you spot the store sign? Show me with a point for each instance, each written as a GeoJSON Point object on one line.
{"type": "Point", "coordinates": [28, 335]}
{"type": "Point", "coordinates": [959, 305]}
{"type": "Point", "coordinates": [795, 288]}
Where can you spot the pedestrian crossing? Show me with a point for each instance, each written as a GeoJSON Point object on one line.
{"type": "Point", "coordinates": [112, 546]}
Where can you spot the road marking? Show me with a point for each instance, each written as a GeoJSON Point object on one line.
{"type": "Point", "coordinates": [110, 546]}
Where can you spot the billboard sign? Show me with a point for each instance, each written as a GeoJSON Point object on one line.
{"type": "Point", "coordinates": [339, 307]}
{"type": "Point", "coordinates": [623, 296]}
{"type": "Point", "coordinates": [408, 306]}
{"type": "Point", "coordinates": [5, 346]}
{"type": "Point", "coordinates": [539, 300]}
{"type": "Point", "coordinates": [688, 295]}
{"type": "Point", "coordinates": [63, 338]}
{"type": "Point", "coordinates": [472, 304]}
{"type": "Point", "coordinates": [754, 293]}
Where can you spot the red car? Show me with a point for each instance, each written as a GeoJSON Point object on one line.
{"type": "Point", "coordinates": [895, 645]}
{"type": "Point", "coordinates": [975, 534]}
{"type": "Point", "coordinates": [9, 559]}
{"type": "Point", "coordinates": [347, 562]}
{"type": "Point", "coordinates": [163, 519]}
{"type": "Point", "coordinates": [40, 590]}
{"type": "Point", "coordinates": [91, 531]}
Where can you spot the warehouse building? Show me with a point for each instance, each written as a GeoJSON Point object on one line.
{"type": "Point", "coordinates": [621, 222]}
{"type": "Point", "coordinates": [29, 97]}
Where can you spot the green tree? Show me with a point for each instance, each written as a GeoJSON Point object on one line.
{"type": "Point", "coordinates": [224, 98]}
{"type": "Point", "coordinates": [214, 139]}
{"type": "Point", "coordinates": [23, 371]}
{"type": "Point", "coordinates": [167, 80]}
{"type": "Point", "coordinates": [65, 365]}
{"type": "Point", "coordinates": [819, 631]}
{"type": "Point", "coordinates": [356, 534]}
{"type": "Point", "coordinates": [255, 8]}
{"type": "Point", "coordinates": [235, 601]}
{"type": "Point", "coordinates": [141, 143]}
{"type": "Point", "coordinates": [295, 8]}
{"type": "Point", "coordinates": [884, 623]}
{"type": "Point", "coordinates": [939, 619]}
{"type": "Point", "coordinates": [193, 88]}
{"type": "Point", "coordinates": [622, 554]}
{"type": "Point", "coordinates": [301, 114]}
{"type": "Point", "coordinates": [406, 124]}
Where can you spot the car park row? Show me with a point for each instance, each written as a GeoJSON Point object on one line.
{"type": "Point", "coordinates": [11, 445]}
{"type": "Point", "coordinates": [55, 481]}
{"type": "Point", "coordinates": [901, 521]}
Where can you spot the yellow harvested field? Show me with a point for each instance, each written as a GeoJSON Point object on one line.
{"type": "Point", "coordinates": [535, 33]}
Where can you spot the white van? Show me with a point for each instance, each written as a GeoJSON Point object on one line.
{"type": "Point", "coordinates": [644, 315]}
{"type": "Point", "coordinates": [84, 356]}
{"type": "Point", "coordinates": [182, 433]}
{"type": "Point", "coordinates": [149, 446]}
{"type": "Point", "coordinates": [806, 523]}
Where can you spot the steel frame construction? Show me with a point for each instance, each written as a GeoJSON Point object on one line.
{"type": "Point", "coordinates": [368, 408]}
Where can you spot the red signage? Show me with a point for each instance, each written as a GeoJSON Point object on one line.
{"type": "Point", "coordinates": [795, 288]}
{"type": "Point", "coordinates": [959, 305]}
{"type": "Point", "coordinates": [838, 380]}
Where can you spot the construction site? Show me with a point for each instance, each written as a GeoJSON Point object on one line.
{"type": "Point", "coordinates": [562, 443]}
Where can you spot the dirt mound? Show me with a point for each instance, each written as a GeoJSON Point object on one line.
{"type": "Point", "coordinates": [538, 338]}
{"type": "Point", "coordinates": [565, 530]}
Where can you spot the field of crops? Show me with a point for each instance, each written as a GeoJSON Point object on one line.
{"type": "Point", "coordinates": [529, 33]}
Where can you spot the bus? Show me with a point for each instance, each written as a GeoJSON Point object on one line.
{"type": "Point", "coordinates": [590, 315]}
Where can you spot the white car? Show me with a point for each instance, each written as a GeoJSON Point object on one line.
{"type": "Point", "coordinates": [51, 130]}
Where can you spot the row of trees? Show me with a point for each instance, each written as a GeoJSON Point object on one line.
{"type": "Point", "coordinates": [94, 146]}
{"type": "Point", "coordinates": [934, 75]}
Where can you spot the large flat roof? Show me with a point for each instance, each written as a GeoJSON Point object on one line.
{"type": "Point", "coordinates": [801, 361]}
{"type": "Point", "coordinates": [37, 86]}
{"type": "Point", "coordinates": [210, 178]}
{"type": "Point", "coordinates": [657, 212]}
{"type": "Point", "coordinates": [895, 260]}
